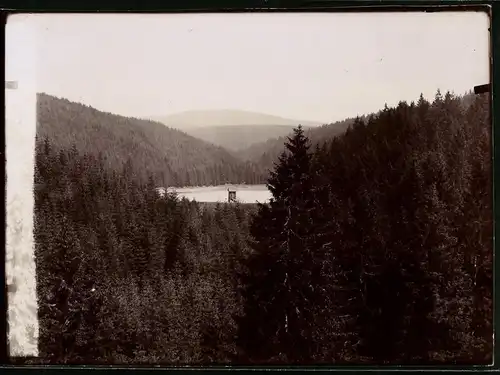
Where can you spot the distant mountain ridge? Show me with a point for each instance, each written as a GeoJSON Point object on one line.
{"type": "Point", "coordinates": [226, 117]}
{"type": "Point", "coordinates": [239, 137]}
{"type": "Point", "coordinates": [234, 130]}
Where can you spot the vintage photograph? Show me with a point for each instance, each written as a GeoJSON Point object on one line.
{"type": "Point", "coordinates": [249, 188]}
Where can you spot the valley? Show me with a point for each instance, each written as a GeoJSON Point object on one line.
{"type": "Point", "coordinates": [253, 189]}
{"type": "Point", "coordinates": [198, 281]}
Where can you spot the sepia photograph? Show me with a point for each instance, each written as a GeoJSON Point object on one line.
{"type": "Point", "coordinates": [249, 189]}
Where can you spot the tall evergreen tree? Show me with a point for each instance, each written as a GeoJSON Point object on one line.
{"type": "Point", "coordinates": [279, 293]}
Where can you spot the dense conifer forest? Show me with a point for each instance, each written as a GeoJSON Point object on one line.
{"type": "Point", "coordinates": [375, 248]}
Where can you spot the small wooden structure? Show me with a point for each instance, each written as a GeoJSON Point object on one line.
{"type": "Point", "coordinates": [231, 196]}
{"type": "Point", "coordinates": [481, 89]}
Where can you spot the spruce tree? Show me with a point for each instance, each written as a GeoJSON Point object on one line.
{"type": "Point", "coordinates": [279, 294]}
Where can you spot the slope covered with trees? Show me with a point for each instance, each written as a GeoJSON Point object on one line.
{"type": "Point", "coordinates": [375, 248]}
{"type": "Point", "coordinates": [266, 153]}
{"type": "Point", "coordinates": [125, 276]}
{"type": "Point", "coordinates": [170, 156]}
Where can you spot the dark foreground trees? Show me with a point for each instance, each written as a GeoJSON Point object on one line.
{"type": "Point", "coordinates": [280, 296]}
{"type": "Point", "coordinates": [125, 276]}
{"type": "Point", "coordinates": [395, 245]}
{"type": "Point", "coordinates": [376, 248]}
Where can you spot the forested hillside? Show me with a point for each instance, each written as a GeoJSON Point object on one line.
{"type": "Point", "coordinates": [126, 277]}
{"type": "Point", "coordinates": [172, 157]}
{"type": "Point", "coordinates": [266, 153]}
{"type": "Point", "coordinates": [375, 248]}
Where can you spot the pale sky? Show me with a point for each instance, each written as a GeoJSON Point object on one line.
{"type": "Point", "coordinates": [316, 66]}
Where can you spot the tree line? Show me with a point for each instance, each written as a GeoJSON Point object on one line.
{"type": "Point", "coordinates": [376, 247]}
